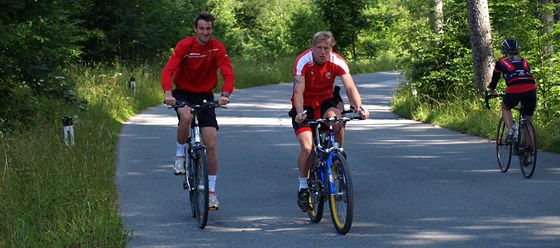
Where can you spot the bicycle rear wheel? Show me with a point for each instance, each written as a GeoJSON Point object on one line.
{"type": "Point", "coordinates": [528, 155]}
{"type": "Point", "coordinates": [503, 148]}
{"type": "Point", "coordinates": [201, 188]}
{"type": "Point", "coordinates": [341, 195]}
{"type": "Point", "coordinates": [316, 197]}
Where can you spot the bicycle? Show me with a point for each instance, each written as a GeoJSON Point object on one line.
{"type": "Point", "coordinates": [196, 176]}
{"type": "Point", "coordinates": [523, 144]}
{"type": "Point", "coordinates": [329, 176]}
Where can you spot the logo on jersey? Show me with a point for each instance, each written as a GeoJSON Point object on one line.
{"type": "Point", "coordinates": [328, 75]}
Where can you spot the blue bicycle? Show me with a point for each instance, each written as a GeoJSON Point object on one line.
{"type": "Point", "coordinates": [329, 176]}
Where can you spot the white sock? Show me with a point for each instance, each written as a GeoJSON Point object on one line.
{"type": "Point", "coordinates": [303, 183]}
{"type": "Point", "coordinates": [180, 150]}
{"type": "Point", "coordinates": [212, 183]}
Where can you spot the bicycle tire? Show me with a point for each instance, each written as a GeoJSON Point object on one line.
{"type": "Point", "coordinates": [342, 201]}
{"type": "Point", "coordinates": [189, 176]}
{"type": "Point", "coordinates": [316, 196]}
{"type": "Point", "coordinates": [201, 188]}
{"type": "Point", "coordinates": [528, 156]}
{"type": "Point", "coordinates": [503, 148]}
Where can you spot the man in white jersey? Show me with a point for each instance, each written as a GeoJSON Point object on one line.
{"type": "Point", "coordinates": [314, 73]}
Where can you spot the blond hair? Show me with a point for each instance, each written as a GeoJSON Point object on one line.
{"type": "Point", "coordinates": [323, 36]}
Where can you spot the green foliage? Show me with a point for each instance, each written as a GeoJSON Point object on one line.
{"type": "Point", "coordinates": [346, 21]}
{"type": "Point", "coordinates": [439, 66]}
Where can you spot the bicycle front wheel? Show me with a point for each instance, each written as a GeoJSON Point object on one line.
{"type": "Point", "coordinates": [528, 154]}
{"type": "Point", "coordinates": [201, 188]}
{"type": "Point", "coordinates": [503, 147]}
{"type": "Point", "coordinates": [188, 185]}
{"type": "Point", "coordinates": [341, 195]}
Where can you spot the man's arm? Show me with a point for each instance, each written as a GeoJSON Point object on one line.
{"type": "Point", "coordinates": [298, 89]}
{"type": "Point", "coordinates": [354, 95]}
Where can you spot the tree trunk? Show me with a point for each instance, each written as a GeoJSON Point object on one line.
{"type": "Point", "coordinates": [438, 16]}
{"type": "Point", "coordinates": [481, 42]}
{"type": "Point", "coordinates": [548, 21]}
{"type": "Point", "coordinates": [557, 13]}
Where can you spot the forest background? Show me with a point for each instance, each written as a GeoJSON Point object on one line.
{"type": "Point", "coordinates": [76, 58]}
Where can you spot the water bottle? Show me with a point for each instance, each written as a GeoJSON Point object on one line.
{"type": "Point", "coordinates": [514, 126]}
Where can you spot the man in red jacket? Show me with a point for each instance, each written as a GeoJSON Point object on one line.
{"type": "Point", "coordinates": [193, 69]}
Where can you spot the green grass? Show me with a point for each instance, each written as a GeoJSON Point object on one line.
{"type": "Point", "coordinates": [58, 196]}
{"type": "Point", "coordinates": [471, 116]}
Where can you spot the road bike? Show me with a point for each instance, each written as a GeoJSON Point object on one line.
{"type": "Point", "coordinates": [196, 176]}
{"type": "Point", "coordinates": [329, 176]}
{"type": "Point", "coordinates": [523, 143]}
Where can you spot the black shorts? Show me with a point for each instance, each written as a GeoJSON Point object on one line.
{"type": "Point", "coordinates": [206, 118]}
{"type": "Point", "coordinates": [528, 101]}
{"type": "Point", "coordinates": [304, 126]}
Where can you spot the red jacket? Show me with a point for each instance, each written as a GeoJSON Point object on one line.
{"type": "Point", "coordinates": [193, 67]}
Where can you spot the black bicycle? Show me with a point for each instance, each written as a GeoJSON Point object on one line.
{"type": "Point", "coordinates": [196, 176]}
{"type": "Point", "coordinates": [523, 143]}
{"type": "Point", "coordinates": [329, 177]}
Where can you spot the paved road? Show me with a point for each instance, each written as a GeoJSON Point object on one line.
{"type": "Point", "coordinates": [415, 185]}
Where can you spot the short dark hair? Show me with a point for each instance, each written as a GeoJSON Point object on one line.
{"type": "Point", "coordinates": [204, 16]}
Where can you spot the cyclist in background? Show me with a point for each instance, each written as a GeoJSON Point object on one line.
{"type": "Point", "coordinates": [521, 86]}
{"type": "Point", "coordinates": [193, 69]}
{"type": "Point", "coordinates": [313, 91]}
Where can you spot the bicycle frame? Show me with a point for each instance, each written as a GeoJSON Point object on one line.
{"type": "Point", "coordinates": [194, 144]}
{"type": "Point", "coordinates": [325, 154]}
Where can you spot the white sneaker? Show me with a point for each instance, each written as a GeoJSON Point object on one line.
{"type": "Point", "coordinates": [179, 167]}
{"type": "Point", "coordinates": [213, 203]}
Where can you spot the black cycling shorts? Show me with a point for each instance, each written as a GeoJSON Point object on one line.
{"type": "Point", "coordinates": [325, 105]}
{"type": "Point", "coordinates": [206, 118]}
{"type": "Point", "coordinates": [528, 101]}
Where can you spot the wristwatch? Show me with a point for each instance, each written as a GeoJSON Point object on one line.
{"type": "Point", "coordinates": [225, 94]}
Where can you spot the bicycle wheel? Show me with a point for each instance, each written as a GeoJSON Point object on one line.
{"type": "Point", "coordinates": [528, 155]}
{"type": "Point", "coordinates": [201, 187]}
{"type": "Point", "coordinates": [316, 197]}
{"type": "Point", "coordinates": [188, 185]}
{"type": "Point", "coordinates": [341, 195]}
{"type": "Point", "coordinates": [503, 148]}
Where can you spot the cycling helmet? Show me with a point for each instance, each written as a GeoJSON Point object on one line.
{"type": "Point", "coordinates": [510, 47]}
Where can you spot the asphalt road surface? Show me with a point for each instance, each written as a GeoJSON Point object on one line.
{"type": "Point", "coordinates": [415, 185]}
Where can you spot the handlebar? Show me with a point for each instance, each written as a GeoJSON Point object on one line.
{"type": "Point", "coordinates": [346, 116]}
{"type": "Point", "coordinates": [206, 104]}
{"type": "Point", "coordinates": [487, 97]}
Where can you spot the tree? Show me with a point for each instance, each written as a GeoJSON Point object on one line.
{"type": "Point", "coordinates": [346, 19]}
{"type": "Point", "coordinates": [481, 42]}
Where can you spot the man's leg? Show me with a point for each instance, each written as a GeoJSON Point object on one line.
{"type": "Point", "coordinates": [209, 137]}
{"type": "Point", "coordinates": [185, 119]}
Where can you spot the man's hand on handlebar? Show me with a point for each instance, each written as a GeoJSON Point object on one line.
{"type": "Point", "coordinates": [300, 117]}
{"type": "Point", "coordinates": [169, 99]}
